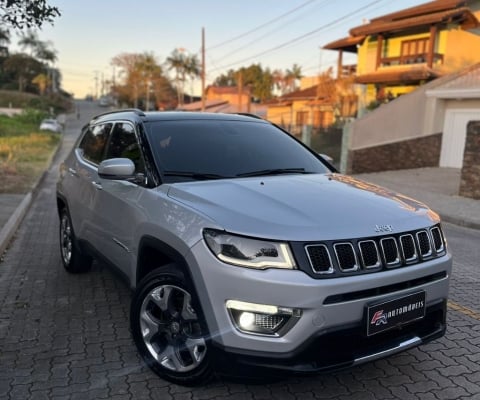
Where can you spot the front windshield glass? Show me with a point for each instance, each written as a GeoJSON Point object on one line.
{"type": "Point", "coordinates": [215, 149]}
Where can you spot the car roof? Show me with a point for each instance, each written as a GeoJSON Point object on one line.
{"type": "Point", "coordinates": [152, 116]}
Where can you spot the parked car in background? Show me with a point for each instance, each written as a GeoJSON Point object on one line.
{"type": "Point", "coordinates": [51, 125]}
{"type": "Point", "coordinates": [246, 250]}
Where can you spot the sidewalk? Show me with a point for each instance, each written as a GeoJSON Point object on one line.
{"type": "Point", "coordinates": [436, 187]}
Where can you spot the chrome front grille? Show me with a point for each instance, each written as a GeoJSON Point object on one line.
{"type": "Point", "coordinates": [374, 254]}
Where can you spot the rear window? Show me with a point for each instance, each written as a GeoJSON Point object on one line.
{"type": "Point", "coordinates": [227, 148]}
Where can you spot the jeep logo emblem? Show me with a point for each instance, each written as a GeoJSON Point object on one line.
{"type": "Point", "coordinates": [383, 228]}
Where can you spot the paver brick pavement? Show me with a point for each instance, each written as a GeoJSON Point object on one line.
{"type": "Point", "coordinates": [66, 336]}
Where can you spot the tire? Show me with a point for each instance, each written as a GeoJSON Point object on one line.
{"type": "Point", "coordinates": [73, 259]}
{"type": "Point", "coordinates": [170, 335]}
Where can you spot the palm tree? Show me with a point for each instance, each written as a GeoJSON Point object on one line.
{"type": "Point", "coordinates": [292, 76]}
{"type": "Point", "coordinates": [279, 81]}
{"type": "Point", "coordinates": [192, 69]}
{"type": "Point", "coordinates": [177, 62]}
{"type": "Point", "coordinates": [29, 40]}
{"type": "Point", "coordinates": [4, 42]}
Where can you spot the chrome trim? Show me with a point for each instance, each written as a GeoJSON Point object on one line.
{"type": "Point", "coordinates": [330, 270]}
{"type": "Point", "coordinates": [415, 255]}
{"type": "Point", "coordinates": [356, 267]}
{"type": "Point", "coordinates": [407, 344]}
{"type": "Point", "coordinates": [397, 259]}
{"type": "Point", "coordinates": [379, 261]}
{"type": "Point", "coordinates": [429, 253]}
{"type": "Point", "coordinates": [442, 240]}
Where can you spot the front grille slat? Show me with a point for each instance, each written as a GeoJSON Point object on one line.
{"type": "Point", "coordinates": [437, 239]}
{"type": "Point", "coordinates": [424, 244]}
{"type": "Point", "coordinates": [342, 258]}
{"type": "Point", "coordinates": [369, 254]}
{"type": "Point", "coordinates": [346, 258]}
{"type": "Point", "coordinates": [409, 250]}
{"type": "Point", "coordinates": [390, 251]}
{"type": "Point", "coordinates": [319, 258]}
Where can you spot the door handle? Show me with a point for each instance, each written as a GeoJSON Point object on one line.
{"type": "Point", "coordinates": [73, 171]}
{"type": "Point", "coordinates": [97, 185]}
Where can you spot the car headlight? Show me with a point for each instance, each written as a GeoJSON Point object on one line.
{"type": "Point", "coordinates": [247, 252]}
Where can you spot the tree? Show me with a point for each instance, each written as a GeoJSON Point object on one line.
{"type": "Point", "coordinates": [142, 74]}
{"type": "Point", "coordinates": [259, 80]}
{"type": "Point", "coordinates": [21, 14]}
{"type": "Point", "coordinates": [23, 69]}
{"type": "Point", "coordinates": [292, 76]}
{"type": "Point", "coordinates": [41, 50]}
{"type": "Point", "coordinates": [184, 66]}
{"type": "Point", "coordinates": [42, 81]}
{"type": "Point", "coordinates": [4, 37]}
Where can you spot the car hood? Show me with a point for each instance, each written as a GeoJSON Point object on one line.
{"type": "Point", "coordinates": [303, 207]}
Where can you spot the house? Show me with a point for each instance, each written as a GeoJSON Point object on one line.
{"type": "Point", "coordinates": [424, 128]}
{"type": "Point", "coordinates": [318, 106]}
{"type": "Point", "coordinates": [398, 52]}
{"type": "Point", "coordinates": [226, 99]}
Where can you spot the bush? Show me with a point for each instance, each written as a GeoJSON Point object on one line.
{"type": "Point", "coordinates": [32, 116]}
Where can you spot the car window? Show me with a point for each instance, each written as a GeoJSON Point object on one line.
{"type": "Point", "coordinates": [227, 148]}
{"type": "Point", "coordinates": [94, 141]}
{"type": "Point", "coordinates": [123, 144]}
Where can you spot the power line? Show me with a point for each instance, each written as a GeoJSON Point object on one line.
{"type": "Point", "coordinates": [298, 38]}
{"type": "Point", "coordinates": [256, 40]}
{"type": "Point", "coordinates": [260, 26]}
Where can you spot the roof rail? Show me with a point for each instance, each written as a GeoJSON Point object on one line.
{"type": "Point", "coordinates": [137, 111]}
{"type": "Point", "coordinates": [249, 115]}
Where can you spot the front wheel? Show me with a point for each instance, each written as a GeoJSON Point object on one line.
{"type": "Point", "coordinates": [169, 333]}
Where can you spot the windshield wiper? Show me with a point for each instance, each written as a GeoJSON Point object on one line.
{"type": "Point", "coordinates": [274, 171]}
{"type": "Point", "coordinates": [195, 175]}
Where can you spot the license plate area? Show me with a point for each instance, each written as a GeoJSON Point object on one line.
{"type": "Point", "coordinates": [395, 312]}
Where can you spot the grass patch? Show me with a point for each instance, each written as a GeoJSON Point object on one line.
{"type": "Point", "coordinates": [25, 153]}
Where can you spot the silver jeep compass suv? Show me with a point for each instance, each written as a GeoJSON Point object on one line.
{"type": "Point", "coordinates": [245, 249]}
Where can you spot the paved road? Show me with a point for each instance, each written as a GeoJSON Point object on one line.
{"type": "Point", "coordinates": [66, 337]}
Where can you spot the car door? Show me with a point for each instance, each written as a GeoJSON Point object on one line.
{"type": "Point", "coordinates": [117, 210]}
{"type": "Point", "coordinates": [81, 177]}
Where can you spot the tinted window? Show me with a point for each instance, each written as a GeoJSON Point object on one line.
{"type": "Point", "coordinates": [227, 148]}
{"type": "Point", "coordinates": [123, 144]}
{"type": "Point", "coordinates": [94, 141]}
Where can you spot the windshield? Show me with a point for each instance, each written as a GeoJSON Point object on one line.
{"type": "Point", "coordinates": [216, 149]}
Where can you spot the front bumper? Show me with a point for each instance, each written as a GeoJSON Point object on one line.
{"type": "Point", "coordinates": [334, 350]}
{"type": "Point", "coordinates": [326, 329]}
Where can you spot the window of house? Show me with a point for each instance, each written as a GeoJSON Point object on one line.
{"type": "Point", "coordinates": [302, 118]}
{"type": "Point", "coordinates": [414, 51]}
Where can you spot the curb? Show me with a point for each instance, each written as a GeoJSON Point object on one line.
{"type": "Point", "coordinates": [459, 222]}
{"type": "Point", "coordinates": [7, 232]}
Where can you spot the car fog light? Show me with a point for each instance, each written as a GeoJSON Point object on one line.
{"type": "Point", "coordinates": [246, 320]}
{"type": "Point", "coordinates": [262, 319]}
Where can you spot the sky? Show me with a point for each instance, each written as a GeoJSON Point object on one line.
{"type": "Point", "coordinates": [274, 33]}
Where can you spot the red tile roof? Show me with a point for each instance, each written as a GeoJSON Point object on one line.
{"type": "Point", "coordinates": [424, 15]}
{"type": "Point", "coordinates": [460, 15]}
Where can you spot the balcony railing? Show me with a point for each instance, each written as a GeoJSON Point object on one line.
{"type": "Point", "coordinates": [411, 59]}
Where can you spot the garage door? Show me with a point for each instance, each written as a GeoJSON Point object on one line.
{"type": "Point", "coordinates": [454, 134]}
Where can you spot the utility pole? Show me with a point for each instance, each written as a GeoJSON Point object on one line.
{"type": "Point", "coordinates": [240, 90]}
{"type": "Point", "coordinates": [203, 70]}
{"type": "Point", "coordinates": [96, 84]}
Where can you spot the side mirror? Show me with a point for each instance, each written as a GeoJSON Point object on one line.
{"type": "Point", "coordinates": [116, 169]}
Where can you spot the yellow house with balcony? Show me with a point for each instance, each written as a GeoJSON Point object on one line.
{"type": "Point", "coordinates": [398, 52]}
